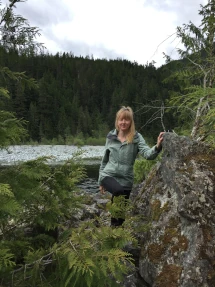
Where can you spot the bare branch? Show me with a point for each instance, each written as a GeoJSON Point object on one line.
{"type": "Point", "coordinates": [166, 107]}
{"type": "Point", "coordinates": [44, 259]}
{"type": "Point", "coordinates": [162, 115]}
{"type": "Point", "coordinates": [162, 43]}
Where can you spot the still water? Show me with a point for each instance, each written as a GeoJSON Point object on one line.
{"type": "Point", "coordinates": [90, 184]}
{"type": "Point", "coordinates": [90, 155]}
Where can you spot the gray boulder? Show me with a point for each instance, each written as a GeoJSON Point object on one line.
{"type": "Point", "coordinates": [178, 200]}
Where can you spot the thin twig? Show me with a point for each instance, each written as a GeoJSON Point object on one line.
{"type": "Point", "coordinates": [162, 43]}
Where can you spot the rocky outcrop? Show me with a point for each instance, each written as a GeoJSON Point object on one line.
{"type": "Point", "coordinates": [178, 200]}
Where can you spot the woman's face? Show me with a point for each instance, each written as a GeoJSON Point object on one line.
{"type": "Point", "coordinates": [124, 124]}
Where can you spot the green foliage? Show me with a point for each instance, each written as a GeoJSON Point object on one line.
{"type": "Point", "coordinates": [94, 253]}
{"type": "Point", "coordinates": [16, 31]}
{"type": "Point", "coordinates": [6, 260]}
{"type": "Point", "coordinates": [17, 77]}
{"type": "Point", "coordinates": [17, 35]}
{"type": "Point", "coordinates": [78, 142]}
{"type": "Point", "coordinates": [44, 195]}
{"type": "Point", "coordinates": [141, 168]}
{"type": "Point", "coordinates": [95, 141]}
{"type": "Point", "coordinates": [4, 92]}
{"type": "Point", "coordinates": [39, 245]}
{"type": "Point", "coordinates": [71, 99]}
{"type": "Point", "coordinates": [11, 129]}
{"type": "Point", "coordinates": [85, 256]}
{"type": "Point", "coordinates": [38, 200]}
{"type": "Point", "coordinates": [9, 205]}
{"type": "Point", "coordinates": [119, 206]}
{"type": "Point", "coordinates": [194, 100]}
{"type": "Point", "coordinates": [36, 242]}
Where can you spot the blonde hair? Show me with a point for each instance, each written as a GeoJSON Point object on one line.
{"type": "Point", "coordinates": [126, 113]}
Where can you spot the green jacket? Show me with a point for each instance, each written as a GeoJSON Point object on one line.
{"type": "Point", "coordinates": [119, 158]}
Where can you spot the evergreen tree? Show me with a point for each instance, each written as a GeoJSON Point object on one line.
{"type": "Point", "coordinates": [16, 33]}
{"type": "Point", "coordinates": [197, 74]}
{"type": "Point", "coordinates": [33, 124]}
{"type": "Point", "coordinates": [74, 83]}
{"type": "Point", "coordinates": [39, 245]}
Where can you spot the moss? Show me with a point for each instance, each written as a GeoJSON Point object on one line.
{"type": "Point", "coordinates": [147, 184]}
{"type": "Point", "coordinates": [103, 207]}
{"type": "Point", "coordinates": [211, 272]}
{"type": "Point", "coordinates": [207, 157]}
{"type": "Point", "coordinates": [171, 241]}
{"type": "Point", "coordinates": [207, 237]}
{"type": "Point", "coordinates": [155, 252]}
{"type": "Point", "coordinates": [150, 177]}
{"type": "Point", "coordinates": [169, 276]}
{"type": "Point", "coordinates": [207, 233]}
{"type": "Point", "coordinates": [211, 278]}
{"type": "Point", "coordinates": [174, 222]}
{"type": "Point", "coordinates": [157, 190]}
{"type": "Point", "coordinates": [180, 242]}
{"type": "Point", "coordinates": [169, 234]}
{"type": "Point", "coordinates": [205, 252]}
{"type": "Point", "coordinates": [187, 169]}
{"type": "Point", "coordinates": [183, 242]}
{"type": "Point", "coordinates": [208, 254]}
{"type": "Point", "coordinates": [155, 207]}
{"type": "Point", "coordinates": [157, 210]}
{"type": "Point", "coordinates": [181, 245]}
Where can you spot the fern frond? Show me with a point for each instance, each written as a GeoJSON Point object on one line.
{"type": "Point", "coordinates": [7, 199]}
{"type": "Point", "coordinates": [4, 93]}
{"type": "Point", "coordinates": [5, 190]}
{"type": "Point", "coordinates": [6, 260]}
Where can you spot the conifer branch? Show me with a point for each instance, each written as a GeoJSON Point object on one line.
{"type": "Point", "coordinates": [44, 260]}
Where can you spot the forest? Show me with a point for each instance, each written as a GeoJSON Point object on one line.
{"type": "Point", "coordinates": [48, 98]}
{"type": "Point", "coordinates": [76, 95]}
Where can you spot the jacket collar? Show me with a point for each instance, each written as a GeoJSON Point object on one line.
{"type": "Point", "coordinates": [112, 135]}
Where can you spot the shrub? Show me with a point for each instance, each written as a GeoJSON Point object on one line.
{"type": "Point", "coordinates": [39, 247]}
{"type": "Point", "coordinates": [141, 168]}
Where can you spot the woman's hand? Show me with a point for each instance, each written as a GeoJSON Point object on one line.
{"type": "Point", "coordinates": [159, 140]}
{"type": "Point", "coordinates": [102, 189]}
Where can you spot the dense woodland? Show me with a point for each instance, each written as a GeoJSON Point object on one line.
{"type": "Point", "coordinates": [62, 96]}
{"type": "Point", "coordinates": [81, 95]}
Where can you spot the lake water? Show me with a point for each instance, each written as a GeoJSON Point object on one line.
{"type": "Point", "coordinates": [90, 155]}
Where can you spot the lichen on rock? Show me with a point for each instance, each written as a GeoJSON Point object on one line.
{"type": "Point", "coordinates": [178, 200]}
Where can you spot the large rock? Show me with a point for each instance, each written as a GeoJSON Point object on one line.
{"type": "Point", "coordinates": [178, 199]}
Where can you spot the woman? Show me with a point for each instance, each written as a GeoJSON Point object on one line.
{"type": "Point", "coordinates": [121, 149]}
